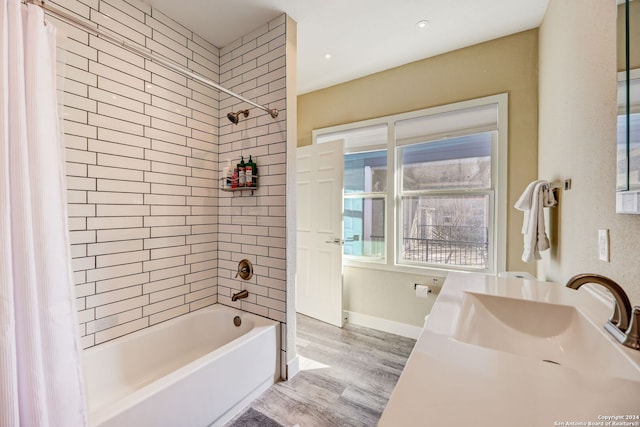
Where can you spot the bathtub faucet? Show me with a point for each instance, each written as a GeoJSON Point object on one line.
{"type": "Point", "coordinates": [240, 295]}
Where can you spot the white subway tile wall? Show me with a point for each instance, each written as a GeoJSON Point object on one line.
{"type": "Point", "coordinates": [152, 236]}
{"type": "Point", "coordinates": [252, 226]}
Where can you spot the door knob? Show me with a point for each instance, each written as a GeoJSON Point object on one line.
{"type": "Point", "coordinates": [335, 241]}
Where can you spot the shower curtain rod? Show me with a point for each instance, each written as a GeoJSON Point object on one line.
{"type": "Point", "coordinates": [132, 48]}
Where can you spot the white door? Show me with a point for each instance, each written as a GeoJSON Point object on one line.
{"type": "Point", "coordinates": [319, 173]}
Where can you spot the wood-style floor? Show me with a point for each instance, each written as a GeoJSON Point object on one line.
{"type": "Point", "coordinates": [346, 377]}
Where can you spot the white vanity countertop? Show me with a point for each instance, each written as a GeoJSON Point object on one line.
{"type": "Point", "coordinates": [447, 382]}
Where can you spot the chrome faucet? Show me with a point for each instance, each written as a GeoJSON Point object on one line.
{"type": "Point", "coordinates": [624, 324]}
{"type": "Point", "coordinates": [239, 295]}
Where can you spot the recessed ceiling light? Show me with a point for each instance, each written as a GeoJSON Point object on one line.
{"type": "Point", "coordinates": [327, 56]}
{"type": "Point", "coordinates": [422, 24]}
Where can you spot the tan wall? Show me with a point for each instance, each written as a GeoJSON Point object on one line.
{"type": "Point", "coordinates": [507, 64]}
{"type": "Point", "coordinates": [388, 294]}
{"type": "Point", "coordinates": [577, 140]}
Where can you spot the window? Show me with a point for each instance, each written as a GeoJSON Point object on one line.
{"type": "Point", "coordinates": [445, 193]}
{"type": "Point", "coordinates": [365, 190]}
{"type": "Point", "coordinates": [426, 189]}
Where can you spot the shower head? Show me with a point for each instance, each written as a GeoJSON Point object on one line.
{"type": "Point", "coordinates": [235, 117]}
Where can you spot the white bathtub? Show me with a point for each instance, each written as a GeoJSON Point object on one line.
{"type": "Point", "coordinates": [195, 370]}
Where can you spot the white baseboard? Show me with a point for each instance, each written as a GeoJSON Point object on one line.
{"type": "Point", "coordinates": [293, 368]}
{"type": "Point", "coordinates": [402, 329]}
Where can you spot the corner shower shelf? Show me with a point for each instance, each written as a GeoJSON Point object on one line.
{"type": "Point", "coordinates": [241, 189]}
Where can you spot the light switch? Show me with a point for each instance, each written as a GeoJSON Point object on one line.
{"type": "Point", "coordinates": [603, 245]}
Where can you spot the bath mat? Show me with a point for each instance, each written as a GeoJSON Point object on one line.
{"type": "Point", "coordinates": [253, 418]}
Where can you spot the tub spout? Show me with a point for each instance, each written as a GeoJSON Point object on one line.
{"type": "Point", "coordinates": [240, 295]}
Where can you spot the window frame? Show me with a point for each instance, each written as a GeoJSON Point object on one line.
{"type": "Point", "coordinates": [497, 195]}
{"type": "Point", "coordinates": [490, 192]}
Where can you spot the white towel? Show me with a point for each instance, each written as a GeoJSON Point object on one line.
{"type": "Point", "coordinates": [536, 196]}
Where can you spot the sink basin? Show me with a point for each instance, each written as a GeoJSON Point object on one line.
{"type": "Point", "coordinates": [553, 333]}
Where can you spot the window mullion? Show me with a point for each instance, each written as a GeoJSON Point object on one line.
{"type": "Point", "coordinates": [417, 193]}
{"type": "Point", "coordinates": [365, 195]}
{"type": "Point", "coordinates": [392, 199]}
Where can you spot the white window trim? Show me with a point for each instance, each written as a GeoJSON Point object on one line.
{"type": "Point", "coordinates": [499, 178]}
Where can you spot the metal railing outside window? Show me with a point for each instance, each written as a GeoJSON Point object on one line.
{"type": "Point", "coordinates": [443, 244]}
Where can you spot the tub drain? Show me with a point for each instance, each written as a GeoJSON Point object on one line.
{"type": "Point", "coordinates": [237, 321]}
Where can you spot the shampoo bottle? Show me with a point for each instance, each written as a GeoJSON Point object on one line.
{"type": "Point", "coordinates": [241, 172]}
{"type": "Point", "coordinates": [251, 175]}
{"type": "Point", "coordinates": [227, 174]}
{"type": "Point", "coordinates": [234, 178]}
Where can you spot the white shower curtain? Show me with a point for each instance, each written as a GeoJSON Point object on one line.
{"type": "Point", "coordinates": [40, 357]}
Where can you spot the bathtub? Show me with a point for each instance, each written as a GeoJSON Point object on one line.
{"type": "Point", "coordinates": [195, 370]}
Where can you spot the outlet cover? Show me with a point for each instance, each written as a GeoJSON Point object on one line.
{"type": "Point", "coordinates": [603, 245]}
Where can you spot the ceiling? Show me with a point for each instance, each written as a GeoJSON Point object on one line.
{"type": "Point", "coordinates": [362, 36]}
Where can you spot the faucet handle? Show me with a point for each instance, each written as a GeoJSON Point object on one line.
{"type": "Point", "coordinates": [632, 335]}
{"type": "Point", "coordinates": [245, 269]}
